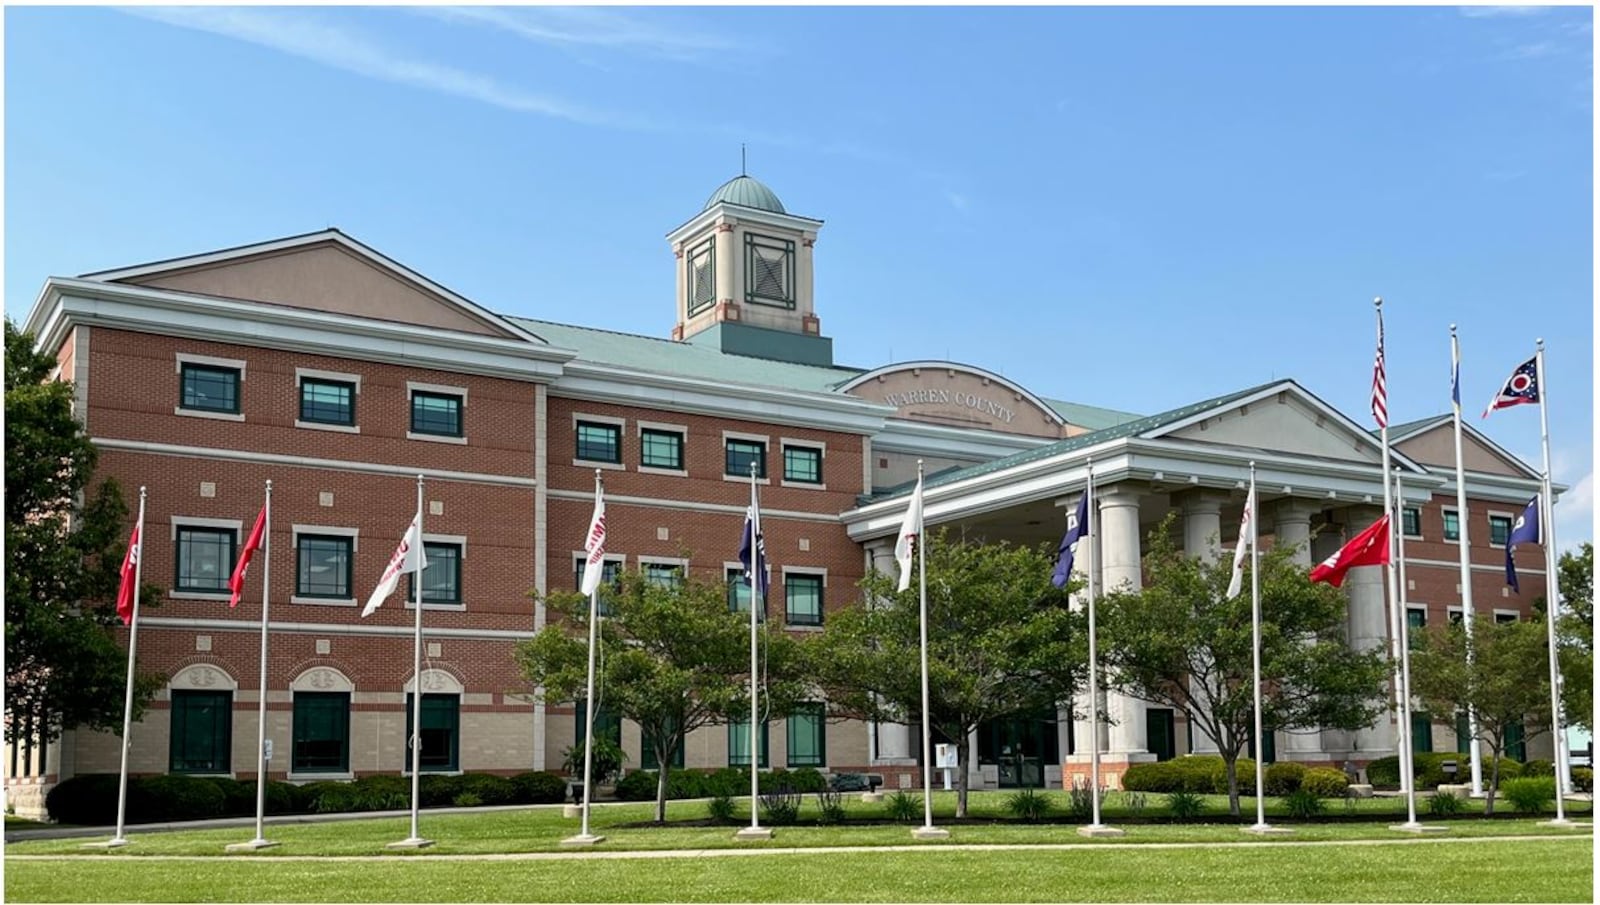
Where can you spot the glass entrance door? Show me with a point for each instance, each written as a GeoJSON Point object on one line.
{"type": "Point", "coordinates": [1019, 748]}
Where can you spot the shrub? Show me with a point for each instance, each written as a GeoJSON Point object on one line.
{"type": "Point", "coordinates": [685, 784]}
{"type": "Point", "coordinates": [487, 788]}
{"type": "Point", "coordinates": [467, 800]}
{"type": "Point", "coordinates": [1582, 779]}
{"type": "Point", "coordinates": [904, 807]}
{"type": "Point", "coordinates": [831, 804]}
{"type": "Point", "coordinates": [773, 780]}
{"type": "Point", "coordinates": [1029, 804]}
{"type": "Point", "coordinates": [640, 785]}
{"type": "Point", "coordinates": [1303, 803]}
{"type": "Point", "coordinates": [720, 807]}
{"type": "Point", "coordinates": [1529, 795]}
{"type": "Point", "coordinates": [607, 762]}
{"type": "Point", "coordinates": [538, 787]}
{"type": "Point", "coordinates": [1384, 773]}
{"type": "Point", "coordinates": [782, 806]}
{"type": "Point", "coordinates": [1185, 805]}
{"type": "Point", "coordinates": [238, 799]}
{"type": "Point", "coordinates": [438, 790]}
{"type": "Point", "coordinates": [86, 800]}
{"type": "Point", "coordinates": [330, 796]}
{"type": "Point", "coordinates": [1157, 777]}
{"type": "Point", "coordinates": [381, 792]}
{"type": "Point", "coordinates": [1244, 772]}
{"type": "Point", "coordinates": [282, 797]}
{"type": "Point", "coordinates": [156, 799]}
{"type": "Point", "coordinates": [1444, 804]}
{"type": "Point", "coordinates": [807, 779]}
{"type": "Point", "coordinates": [727, 782]}
{"type": "Point", "coordinates": [1538, 768]}
{"type": "Point", "coordinates": [1325, 782]}
{"type": "Point", "coordinates": [1284, 778]}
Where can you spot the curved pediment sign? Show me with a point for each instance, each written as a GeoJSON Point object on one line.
{"type": "Point", "coordinates": [958, 395]}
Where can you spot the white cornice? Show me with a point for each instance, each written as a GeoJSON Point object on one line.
{"type": "Point", "coordinates": [670, 392]}
{"type": "Point", "coordinates": [332, 628]}
{"type": "Point", "coordinates": [613, 499]}
{"type": "Point", "coordinates": [66, 302]}
{"type": "Point", "coordinates": [924, 438]}
{"type": "Point", "coordinates": [741, 214]}
{"type": "Point", "coordinates": [240, 455]}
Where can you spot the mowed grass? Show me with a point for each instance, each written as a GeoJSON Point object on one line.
{"type": "Point", "coordinates": [1526, 870]}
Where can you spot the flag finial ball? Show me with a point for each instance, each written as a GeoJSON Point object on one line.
{"type": "Point", "coordinates": [1452, 328]}
{"type": "Point", "coordinates": [1377, 302]}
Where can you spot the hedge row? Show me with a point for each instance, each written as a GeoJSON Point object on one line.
{"type": "Point", "coordinates": [91, 799]}
{"type": "Point", "coordinates": [731, 782]}
{"type": "Point", "coordinates": [1201, 774]}
{"type": "Point", "coordinates": [1384, 773]}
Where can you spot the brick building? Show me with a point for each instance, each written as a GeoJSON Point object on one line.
{"type": "Point", "coordinates": [342, 376]}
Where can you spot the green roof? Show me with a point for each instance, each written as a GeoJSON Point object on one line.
{"type": "Point", "coordinates": [1082, 441]}
{"type": "Point", "coordinates": [1090, 416]}
{"type": "Point", "coordinates": [1397, 431]}
{"type": "Point", "coordinates": [747, 192]}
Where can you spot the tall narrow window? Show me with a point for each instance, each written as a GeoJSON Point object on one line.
{"type": "Point", "coordinates": [201, 739]}
{"type": "Point", "coordinates": [803, 598]}
{"type": "Point", "coordinates": [1452, 525]}
{"type": "Point", "coordinates": [441, 731]}
{"type": "Point", "coordinates": [321, 732]}
{"type": "Point", "coordinates": [1499, 529]}
{"type": "Point", "coordinates": [807, 738]}
{"type": "Point", "coordinates": [739, 744]}
{"type": "Point", "coordinates": [1411, 521]}
{"type": "Point", "coordinates": [441, 580]}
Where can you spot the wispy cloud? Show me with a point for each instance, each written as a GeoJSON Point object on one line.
{"type": "Point", "coordinates": [298, 34]}
{"type": "Point", "coordinates": [1532, 51]}
{"type": "Point", "coordinates": [587, 27]}
{"type": "Point", "coordinates": [1481, 12]}
{"type": "Point", "coordinates": [957, 200]}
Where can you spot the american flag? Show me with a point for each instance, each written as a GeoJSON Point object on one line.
{"type": "Point", "coordinates": [1380, 390]}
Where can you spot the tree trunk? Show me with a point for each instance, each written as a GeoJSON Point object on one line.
{"type": "Point", "coordinates": [1230, 763]}
{"type": "Point", "coordinates": [961, 785]}
{"type": "Point", "coordinates": [1494, 785]}
{"type": "Point", "coordinates": [661, 788]}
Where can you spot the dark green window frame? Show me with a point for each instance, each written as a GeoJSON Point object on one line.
{"type": "Point", "coordinates": [598, 441]}
{"type": "Point", "coordinates": [1411, 521]}
{"type": "Point", "coordinates": [754, 265]}
{"type": "Point", "coordinates": [321, 732]}
{"type": "Point", "coordinates": [802, 598]}
{"type": "Point", "coordinates": [1421, 732]}
{"type": "Point", "coordinates": [1416, 626]}
{"type": "Point", "coordinates": [808, 736]}
{"type": "Point", "coordinates": [740, 594]}
{"type": "Point", "coordinates": [649, 760]}
{"type": "Point", "coordinates": [661, 449]}
{"type": "Point", "coordinates": [1452, 525]}
{"type": "Point", "coordinates": [697, 297]}
{"type": "Point", "coordinates": [607, 724]}
{"type": "Point", "coordinates": [201, 736]}
{"type": "Point", "coordinates": [802, 464]}
{"type": "Point", "coordinates": [610, 581]}
{"type": "Point", "coordinates": [739, 744]}
{"type": "Point", "coordinates": [209, 388]}
{"type": "Point", "coordinates": [441, 732]}
{"type": "Point", "coordinates": [441, 580]}
{"type": "Point", "coordinates": [205, 559]}
{"type": "Point", "coordinates": [1499, 529]}
{"type": "Point", "coordinates": [324, 401]}
{"type": "Point", "coordinates": [438, 414]}
{"type": "Point", "coordinates": [738, 454]}
{"type": "Point", "coordinates": [337, 551]}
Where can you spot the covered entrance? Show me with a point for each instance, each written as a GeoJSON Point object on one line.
{"type": "Point", "coordinates": [1020, 748]}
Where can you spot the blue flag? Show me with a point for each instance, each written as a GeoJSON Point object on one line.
{"type": "Point", "coordinates": [1455, 382]}
{"type": "Point", "coordinates": [759, 549]}
{"type": "Point", "coordinates": [1525, 530]}
{"type": "Point", "coordinates": [1077, 527]}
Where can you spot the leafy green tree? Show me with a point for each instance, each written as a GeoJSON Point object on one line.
{"type": "Point", "coordinates": [1002, 642]}
{"type": "Point", "coordinates": [64, 547]}
{"type": "Point", "coordinates": [672, 658]}
{"type": "Point", "coordinates": [1575, 635]}
{"type": "Point", "coordinates": [1179, 642]}
{"type": "Point", "coordinates": [1507, 681]}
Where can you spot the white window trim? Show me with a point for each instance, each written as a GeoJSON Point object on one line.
{"type": "Point", "coordinates": [412, 387]}
{"type": "Point", "coordinates": [214, 416]}
{"type": "Point", "coordinates": [1421, 608]}
{"type": "Point", "coordinates": [1498, 612]}
{"type": "Point", "coordinates": [184, 358]}
{"type": "Point", "coordinates": [1453, 611]}
{"type": "Point", "coordinates": [1418, 535]}
{"type": "Point", "coordinates": [621, 424]}
{"type": "Point", "coordinates": [294, 544]}
{"type": "Point", "coordinates": [300, 375]}
{"type": "Point", "coordinates": [1488, 528]}
{"type": "Point", "coordinates": [683, 447]}
{"type": "Point", "coordinates": [315, 777]}
{"type": "Point", "coordinates": [804, 570]}
{"type": "Point", "coordinates": [459, 540]}
{"type": "Point", "coordinates": [680, 562]}
{"type": "Point", "coordinates": [766, 444]}
{"type": "Point", "coordinates": [1445, 535]}
{"type": "Point", "coordinates": [822, 458]}
{"type": "Point", "coordinates": [185, 521]}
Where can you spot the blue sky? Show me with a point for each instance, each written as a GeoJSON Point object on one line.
{"type": "Point", "coordinates": [1134, 208]}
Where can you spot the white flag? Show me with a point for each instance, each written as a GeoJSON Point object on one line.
{"type": "Point", "coordinates": [408, 557]}
{"type": "Point", "coordinates": [910, 536]}
{"type": "Point", "coordinates": [1237, 581]}
{"type": "Point", "coordinates": [595, 545]}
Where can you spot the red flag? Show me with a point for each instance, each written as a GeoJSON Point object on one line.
{"type": "Point", "coordinates": [1369, 548]}
{"type": "Point", "coordinates": [130, 582]}
{"type": "Point", "coordinates": [236, 582]}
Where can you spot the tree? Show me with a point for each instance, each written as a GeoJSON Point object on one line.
{"type": "Point", "coordinates": [1575, 635]}
{"type": "Point", "coordinates": [64, 547]}
{"type": "Point", "coordinates": [1179, 642]}
{"type": "Point", "coordinates": [1002, 642]}
{"type": "Point", "coordinates": [672, 658]}
{"type": "Point", "coordinates": [1507, 681]}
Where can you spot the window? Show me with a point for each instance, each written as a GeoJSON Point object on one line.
{"type": "Point", "coordinates": [610, 580]}
{"type": "Point", "coordinates": [1421, 732]}
{"type": "Point", "coordinates": [322, 566]}
{"type": "Point", "coordinates": [1499, 529]}
{"type": "Point", "coordinates": [205, 559]}
{"type": "Point", "coordinates": [441, 732]}
{"type": "Point", "coordinates": [1454, 615]}
{"type": "Point", "coordinates": [740, 453]}
{"type": "Point", "coordinates": [436, 414]}
{"type": "Point", "coordinates": [650, 760]}
{"type": "Point", "coordinates": [327, 401]}
{"type": "Point", "coordinates": [441, 580]}
{"type": "Point", "coordinates": [1452, 525]}
{"type": "Point", "coordinates": [739, 594]}
{"type": "Point", "coordinates": [202, 732]}
{"type": "Point", "coordinates": [1411, 521]}
{"type": "Point", "coordinates": [661, 449]}
{"type": "Point", "coordinates": [700, 275]}
{"type": "Point", "coordinates": [802, 464]}
{"type": "Point", "coordinates": [664, 574]}
{"type": "Point", "coordinates": [739, 744]}
{"type": "Point", "coordinates": [1416, 624]}
{"type": "Point", "coordinates": [599, 442]}
{"type": "Point", "coordinates": [1516, 742]}
{"type": "Point", "coordinates": [802, 595]}
{"type": "Point", "coordinates": [321, 732]}
{"type": "Point", "coordinates": [769, 269]}
{"type": "Point", "coordinates": [1501, 617]}
{"type": "Point", "coordinates": [807, 737]}
{"type": "Point", "coordinates": [209, 388]}
{"type": "Point", "coordinates": [1463, 736]}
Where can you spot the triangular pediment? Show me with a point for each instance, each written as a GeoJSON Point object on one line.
{"type": "Point", "coordinates": [1436, 445]}
{"type": "Point", "coordinates": [1282, 419]}
{"type": "Point", "coordinates": [326, 272]}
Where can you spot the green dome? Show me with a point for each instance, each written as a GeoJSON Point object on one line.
{"type": "Point", "coordinates": [746, 192]}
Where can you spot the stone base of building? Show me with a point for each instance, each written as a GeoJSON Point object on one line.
{"type": "Point", "coordinates": [25, 798]}
{"type": "Point", "coordinates": [1112, 767]}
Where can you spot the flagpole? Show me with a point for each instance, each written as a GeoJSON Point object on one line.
{"type": "Point", "coordinates": [1467, 610]}
{"type": "Point", "coordinates": [584, 837]}
{"type": "Point", "coordinates": [119, 839]}
{"type": "Point", "coordinates": [1411, 824]}
{"type": "Point", "coordinates": [921, 550]}
{"type": "Point", "coordinates": [415, 840]}
{"type": "Point", "coordinates": [1552, 592]}
{"type": "Point", "coordinates": [260, 841]}
{"type": "Point", "coordinates": [1403, 733]}
{"type": "Point", "coordinates": [1091, 531]}
{"type": "Point", "coordinates": [757, 601]}
{"type": "Point", "coordinates": [1255, 654]}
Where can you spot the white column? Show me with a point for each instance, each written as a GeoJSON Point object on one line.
{"type": "Point", "coordinates": [1202, 539]}
{"type": "Point", "coordinates": [1120, 570]}
{"type": "Point", "coordinates": [1083, 726]}
{"type": "Point", "coordinates": [1368, 629]}
{"type": "Point", "coordinates": [894, 739]}
{"type": "Point", "coordinates": [1291, 526]}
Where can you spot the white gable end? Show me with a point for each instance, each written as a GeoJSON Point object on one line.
{"type": "Point", "coordinates": [1282, 423]}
